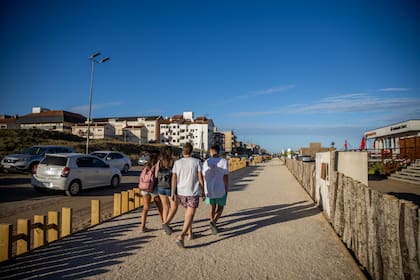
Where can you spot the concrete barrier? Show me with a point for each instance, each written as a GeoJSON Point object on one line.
{"type": "Point", "coordinates": [382, 231]}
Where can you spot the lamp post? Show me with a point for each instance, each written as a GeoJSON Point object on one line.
{"type": "Point", "coordinates": [93, 61]}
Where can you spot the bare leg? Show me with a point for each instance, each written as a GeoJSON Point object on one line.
{"type": "Point", "coordinates": [172, 210]}
{"type": "Point", "coordinates": [219, 213]}
{"type": "Point", "coordinates": [146, 206]}
{"type": "Point", "coordinates": [189, 216]}
{"type": "Point", "coordinates": [165, 207]}
{"type": "Point", "coordinates": [158, 203]}
{"type": "Point", "coordinates": [212, 212]}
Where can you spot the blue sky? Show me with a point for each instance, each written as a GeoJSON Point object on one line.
{"type": "Point", "coordinates": [280, 73]}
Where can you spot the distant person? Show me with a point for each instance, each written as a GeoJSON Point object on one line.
{"type": "Point", "coordinates": [187, 183]}
{"type": "Point", "coordinates": [164, 181]}
{"type": "Point", "coordinates": [216, 185]}
{"type": "Point", "coordinates": [147, 185]}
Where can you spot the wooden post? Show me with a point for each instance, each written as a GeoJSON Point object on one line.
{"type": "Point", "coordinates": [23, 243]}
{"type": "Point", "coordinates": [124, 202]}
{"type": "Point", "coordinates": [136, 198]}
{"type": "Point", "coordinates": [95, 212]}
{"type": "Point", "coordinates": [5, 242]}
{"type": "Point", "coordinates": [130, 200]}
{"type": "Point", "coordinates": [39, 231]}
{"type": "Point", "coordinates": [66, 222]}
{"type": "Point", "coordinates": [117, 204]}
{"type": "Point", "coordinates": [52, 227]}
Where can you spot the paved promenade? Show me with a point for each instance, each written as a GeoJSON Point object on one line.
{"type": "Point", "coordinates": [270, 230]}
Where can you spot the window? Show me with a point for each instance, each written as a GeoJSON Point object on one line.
{"type": "Point", "coordinates": [85, 162]}
{"type": "Point", "coordinates": [98, 163]}
{"type": "Point", "coordinates": [115, 155]}
{"type": "Point", "coordinates": [54, 160]}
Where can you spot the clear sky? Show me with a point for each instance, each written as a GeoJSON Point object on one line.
{"type": "Point", "coordinates": [279, 73]}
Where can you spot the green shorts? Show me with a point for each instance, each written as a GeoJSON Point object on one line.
{"type": "Point", "coordinates": [219, 201]}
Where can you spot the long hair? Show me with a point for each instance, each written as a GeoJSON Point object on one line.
{"type": "Point", "coordinates": [154, 156]}
{"type": "Point", "coordinates": [167, 157]}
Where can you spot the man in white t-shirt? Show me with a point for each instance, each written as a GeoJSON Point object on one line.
{"type": "Point", "coordinates": [216, 185]}
{"type": "Point", "coordinates": [187, 183]}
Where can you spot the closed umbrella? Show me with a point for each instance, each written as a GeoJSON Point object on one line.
{"type": "Point", "coordinates": [363, 144]}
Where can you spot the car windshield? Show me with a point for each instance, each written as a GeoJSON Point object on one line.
{"type": "Point", "coordinates": [34, 151]}
{"type": "Point", "coordinates": [99, 155]}
{"type": "Point", "coordinates": [53, 160]}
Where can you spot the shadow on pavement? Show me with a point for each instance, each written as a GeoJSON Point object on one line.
{"type": "Point", "coordinates": [81, 255]}
{"type": "Point", "coordinates": [415, 198]}
{"type": "Point", "coordinates": [255, 218]}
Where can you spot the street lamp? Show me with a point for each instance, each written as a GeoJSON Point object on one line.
{"type": "Point", "coordinates": [93, 60]}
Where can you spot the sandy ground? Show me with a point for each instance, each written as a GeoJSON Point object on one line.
{"type": "Point", "coordinates": [270, 230]}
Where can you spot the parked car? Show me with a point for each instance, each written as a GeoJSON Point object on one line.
{"type": "Point", "coordinates": [115, 159]}
{"type": "Point", "coordinates": [29, 157]}
{"type": "Point", "coordinates": [305, 158]}
{"type": "Point", "coordinates": [73, 173]}
{"type": "Point", "coordinates": [143, 160]}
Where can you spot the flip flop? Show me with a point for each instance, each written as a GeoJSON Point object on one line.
{"type": "Point", "coordinates": [168, 230]}
{"type": "Point", "coordinates": [180, 243]}
{"type": "Point", "coordinates": [213, 228]}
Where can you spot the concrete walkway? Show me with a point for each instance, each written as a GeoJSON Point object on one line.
{"type": "Point", "coordinates": [271, 230]}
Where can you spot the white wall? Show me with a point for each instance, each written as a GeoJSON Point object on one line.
{"type": "Point", "coordinates": [353, 165]}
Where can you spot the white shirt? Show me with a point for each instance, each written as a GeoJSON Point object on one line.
{"type": "Point", "coordinates": [186, 170]}
{"type": "Point", "coordinates": [214, 170]}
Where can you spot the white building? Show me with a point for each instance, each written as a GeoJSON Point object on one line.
{"type": "Point", "coordinates": [121, 124]}
{"type": "Point", "coordinates": [388, 137]}
{"type": "Point", "coordinates": [181, 129]}
{"type": "Point", "coordinates": [97, 130]}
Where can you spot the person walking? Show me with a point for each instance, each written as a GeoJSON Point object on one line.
{"type": "Point", "coordinates": [216, 185]}
{"type": "Point", "coordinates": [147, 185]}
{"type": "Point", "coordinates": [187, 183]}
{"type": "Point", "coordinates": [164, 180]}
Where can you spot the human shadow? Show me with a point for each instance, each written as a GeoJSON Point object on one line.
{"type": "Point", "coordinates": [84, 254]}
{"type": "Point", "coordinates": [249, 220]}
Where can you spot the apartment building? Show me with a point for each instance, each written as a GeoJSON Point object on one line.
{"type": "Point", "coordinates": [181, 129]}
{"type": "Point", "coordinates": [230, 141]}
{"type": "Point", "coordinates": [135, 126]}
{"type": "Point", "coordinates": [46, 119]}
{"type": "Point", "coordinates": [97, 130]}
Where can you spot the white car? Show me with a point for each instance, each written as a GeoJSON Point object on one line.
{"type": "Point", "coordinates": [73, 173]}
{"type": "Point", "coordinates": [115, 159]}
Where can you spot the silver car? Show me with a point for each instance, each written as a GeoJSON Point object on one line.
{"type": "Point", "coordinates": [73, 172]}
{"type": "Point", "coordinates": [115, 159]}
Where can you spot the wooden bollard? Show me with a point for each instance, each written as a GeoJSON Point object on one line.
{"type": "Point", "coordinates": [39, 231]}
{"type": "Point", "coordinates": [23, 242]}
{"type": "Point", "coordinates": [130, 200]}
{"type": "Point", "coordinates": [117, 204]}
{"type": "Point", "coordinates": [124, 202]}
{"type": "Point", "coordinates": [66, 222]}
{"type": "Point", "coordinates": [5, 242]}
{"type": "Point", "coordinates": [136, 197]}
{"type": "Point", "coordinates": [52, 227]}
{"type": "Point", "coordinates": [95, 212]}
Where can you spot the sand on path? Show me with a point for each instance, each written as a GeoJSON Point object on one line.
{"type": "Point", "coordinates": [270, 230]}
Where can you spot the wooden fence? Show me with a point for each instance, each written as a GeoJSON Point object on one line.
{"type": "Point", "coordinates": [381, 230]}
{"type": "Point", "coordinates": [47, 229]}
{"type": "Point", "coordinates": [236, 164]}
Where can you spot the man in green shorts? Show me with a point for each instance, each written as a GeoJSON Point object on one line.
{"type": "Point", "coordinates": [216, 185]}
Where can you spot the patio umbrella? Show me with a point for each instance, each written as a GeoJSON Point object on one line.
{"type": "Point", "coordinates": [345, 145]}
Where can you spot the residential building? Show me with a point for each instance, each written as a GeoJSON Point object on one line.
{"type": "Point", "coordinates": [135, 134]}
{"type": "Point", "coordinates": [219, 139]}
{"type": "Point", "coordinates": [8, 122]}
{"type": "Point", "coordinates": [388, 137]}
{"type": "Point", "coordinates": [181, 129]}
{"type": "Point", "coordinates": [150, 123]}
{"type": "Point", "coordinates": [97, 130]}
{"type": "Point", "coordinates": [230, 141]}
{"type": "Point", "coordinates": [313, 149]}
{"type": "Point", "coordinates": [57, 120]}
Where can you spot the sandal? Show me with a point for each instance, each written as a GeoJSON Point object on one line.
{"type": "Point", "coordinates": [180, 243]}
{"type": "Point", "coordinates": [168, 230]}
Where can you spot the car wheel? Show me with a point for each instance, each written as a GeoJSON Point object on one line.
{"type": "Point", "coordinates": [74, 188]}
{"type": "Point", "coordinates": [125, 169]}
{"type": "Point", "coordinates": [115, 181]}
